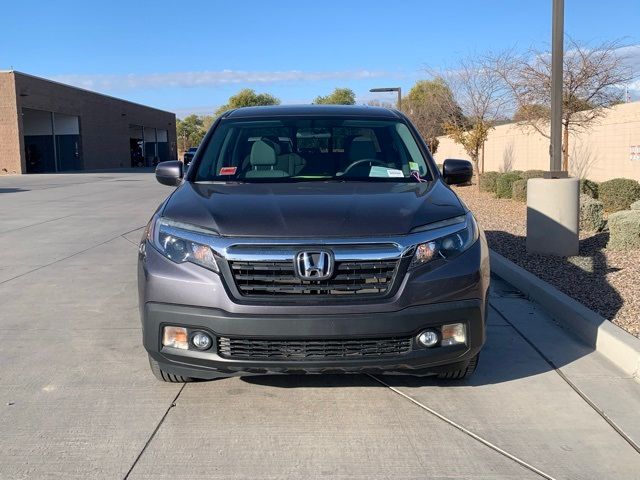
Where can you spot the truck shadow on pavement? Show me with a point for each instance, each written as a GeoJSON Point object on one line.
{"type": "Point", "coordinates": [508, 354]}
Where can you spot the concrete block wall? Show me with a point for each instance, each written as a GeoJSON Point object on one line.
{"type": "Point", "coordinates": [602, 152]}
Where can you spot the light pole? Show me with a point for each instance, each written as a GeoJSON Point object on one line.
{"type": "Point", "coordinates": [553, 203]}
{"type": "Point", "coordinates": [557, 53]}
{"type": "Point", "coordinates": [391, 89]}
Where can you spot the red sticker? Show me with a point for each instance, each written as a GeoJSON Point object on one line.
{"type": "Point", "coordinates": [228, 170]}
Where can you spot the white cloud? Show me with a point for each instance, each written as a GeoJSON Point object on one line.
{"type": "Point", "coordinates": [209, 78]}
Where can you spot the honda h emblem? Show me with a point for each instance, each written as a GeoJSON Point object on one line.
{"type": "Point", "coordinates": [314, 265]}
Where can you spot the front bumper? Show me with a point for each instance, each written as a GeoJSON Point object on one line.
{"type": "Point", "coordinates": [407, 322]}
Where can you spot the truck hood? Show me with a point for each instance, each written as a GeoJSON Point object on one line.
{"type": "Point", "coordinates": [312, 209]}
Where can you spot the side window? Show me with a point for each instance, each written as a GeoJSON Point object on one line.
{"type": "Point", "coordinates": [415, 157]}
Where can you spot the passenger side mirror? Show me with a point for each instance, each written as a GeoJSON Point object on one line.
{"type": "Point", "coordinates": [456, 172]}
{"type": "Point", "coordinates": [169, 173]}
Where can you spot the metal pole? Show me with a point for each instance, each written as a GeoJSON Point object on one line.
{"type": "Point", "coordinates": [557, 53]}
{"type": "Point", "coordinates": [399, 98]}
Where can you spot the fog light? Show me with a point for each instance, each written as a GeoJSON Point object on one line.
{"type": "Point", "coordinates": [201, 341]}
{"type": "Point", "coordinates": [453, 334]}
{"type": "Point", "coordinates": [175, 337]}
{"type": "Point", "coordinates": [428, 338]}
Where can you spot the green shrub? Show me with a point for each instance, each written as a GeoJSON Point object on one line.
{"type": "Point", "coordinates": [591, 214]}
{"type": "Point", "coordinates": [517, 172]}
{"type": "Point", "coordinates": [589, 188]}
{"type": "Point", "coordinates": [635, 205]}
{"type": "Point", "coordinates": [624, 230]}
{"type": "Point", "coordinates": [504, 184]}
{"type": "Point", "coordinates": [532, 174]}
{"type": "Point", "coordinates": [519, 190]}
{"type": "Point", "coordinates": [488, 181]}
{"type": "Point", "coordinates": [618, 194]}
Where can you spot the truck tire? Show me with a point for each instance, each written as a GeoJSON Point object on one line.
{"type": "Point", "coordinates": [461, 373]}
{"type": "Point", "coordinates": [164, 376]}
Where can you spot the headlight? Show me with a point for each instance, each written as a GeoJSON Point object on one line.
{"type": "Point", "coordinates": [179, 243]}
{"type": "Point", "coordinates": [448, 246]}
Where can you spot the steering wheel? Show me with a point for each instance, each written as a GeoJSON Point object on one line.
{"type": "Point", "coordinates": [372, 162]}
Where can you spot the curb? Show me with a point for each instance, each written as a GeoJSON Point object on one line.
{"type": "Point", "coordinates": [620, 347]}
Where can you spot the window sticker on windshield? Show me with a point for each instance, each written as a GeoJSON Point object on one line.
{"type": "Point", "coordinates": [378, 172]}
{"type": "Point", "coordinates": [228, 170]}
{"type": "Point", "coordinates": [385, 172]}
{"type": "Point", "coordinates": [413, 166]}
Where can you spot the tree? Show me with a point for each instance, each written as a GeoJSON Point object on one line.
{"type": "Point", "coordinates": [524, 113]}
{"type": "Point", "coordinates": [248, 98]}
{"type": "Point", "coordinates": [380, 103]}
{"type": "Point", "coordinates": [430, 105]}
{"type": "Point", "coordinates": [190, 132]}
{"type": "Point", "coordinates": [207, 121]}
{"type": "Point", "coordinates": [339, 96]}
{"type": "Point", "coordinates": [592, 82]}
{"type": "Point", "coordinates": [482, 98]}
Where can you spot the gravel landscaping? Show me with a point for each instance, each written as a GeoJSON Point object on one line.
{"type": "Point", "coordinates": [603, 280]}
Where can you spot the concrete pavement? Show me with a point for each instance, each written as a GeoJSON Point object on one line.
{"type": "Point", "coordinates": [78, 401]}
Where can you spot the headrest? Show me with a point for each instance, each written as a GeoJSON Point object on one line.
{"type": "Point", "coordinates": [262, 154]}
{"type": "Point", "coordinates": [273, 141]}
{"type": "Point", "coordinates": [361, 148]}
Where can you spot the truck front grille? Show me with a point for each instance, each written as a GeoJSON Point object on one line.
{"type": "Point", "coordinates": [259, 349]}
{"type": "Point", "coordinates": [367, 278]}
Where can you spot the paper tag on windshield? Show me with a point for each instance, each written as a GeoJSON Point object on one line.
{"type": "Point", "coordinates": [378, 172]}
{"type": "Point", "coordinates": [413, 166]}
{"type": "Point", "coordinates": [385, 172]}
{"type": "Point", "coordinates": [228, 170]}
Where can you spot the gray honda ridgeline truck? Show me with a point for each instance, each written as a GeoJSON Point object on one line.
{"type": "Point", "coordinates": [312, 239]}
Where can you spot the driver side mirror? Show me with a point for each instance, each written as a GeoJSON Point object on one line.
{"type": "Point", "coordinates": [456, 172]}
{"type": "Point", "coordinates": [169, 173]}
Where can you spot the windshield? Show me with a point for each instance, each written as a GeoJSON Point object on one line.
{"type": "Point", "coordinates": [304, 149]}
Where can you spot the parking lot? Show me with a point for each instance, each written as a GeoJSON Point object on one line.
{"type": "Point", "coordinates": [78, 399]}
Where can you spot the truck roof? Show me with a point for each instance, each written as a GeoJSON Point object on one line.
{"type": "Point", "coordinates": [313, 110]}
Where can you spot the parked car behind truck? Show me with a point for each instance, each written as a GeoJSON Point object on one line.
{"type": "Point", "coordinates": [313, 239]}
{"type": "Point", "coordinates": [188, 155]}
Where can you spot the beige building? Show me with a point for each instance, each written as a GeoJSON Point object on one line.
{"type": "Point", "coordinates": [46, 126]}
{"type": "Point", "coordinates": [608, 149]}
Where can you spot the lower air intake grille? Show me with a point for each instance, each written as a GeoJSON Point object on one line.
{"type": "Point", "coordinates": [254, 349]}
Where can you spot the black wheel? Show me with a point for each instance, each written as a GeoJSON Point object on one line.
{"type": "Point", "coordinates": [164, 376]}
{"type": "Point", "coordinates": [461, 373]}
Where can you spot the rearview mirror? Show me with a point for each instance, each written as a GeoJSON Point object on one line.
{"type": "Point", "coordinates": [456, 172]}
{"type": "Point", "coordinates": [169, 173]}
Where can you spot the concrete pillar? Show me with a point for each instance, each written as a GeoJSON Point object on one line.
{"type": "Point", "coordinates": [553, 208]}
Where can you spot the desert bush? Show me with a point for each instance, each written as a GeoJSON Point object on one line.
{"type": "Point", "coordinates": [591, 214]}
{"type": "Point", "coordinates": [519, 190]}
{"type": "Point", "coordinates": [624, 230]}
{"type": "Point", "coordinates": [526, 175]}
{"type": "Point", "coordinates": [504, 184]}
{"type": "Point", "coordinates": [517, 172]}
{"type": "Point", "coordinates": [589, 188]}
{"type": "Point", "coordinates": [488, 181]}
{"type": "Point", "coordinates": [618, 194]}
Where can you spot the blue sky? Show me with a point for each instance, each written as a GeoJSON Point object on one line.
{"type": "Point", "coordinates": [191, 56]}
